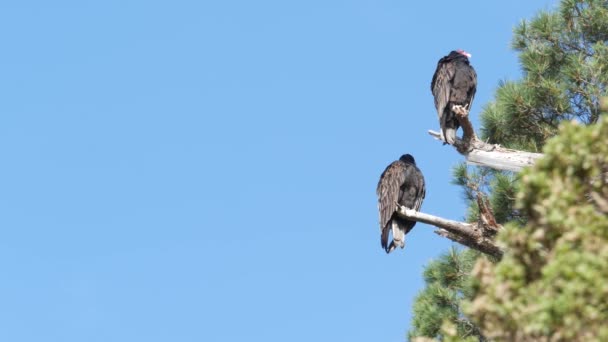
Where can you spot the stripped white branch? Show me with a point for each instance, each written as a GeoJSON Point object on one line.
{"type": "Point", "coordinates": [491, 155]}
{"type": "Point", "coordinates": [476, 236]}
{"type": "Point", "coordinates": [480, 153]}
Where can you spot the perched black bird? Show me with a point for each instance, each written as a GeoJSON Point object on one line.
{"type": "Point", "coordinates": [454, 84]}
{"type": "Point", "coordinates": [403, 183]}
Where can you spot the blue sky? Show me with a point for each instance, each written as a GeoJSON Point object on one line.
{"type": "Point", "coordinates": [206, 171]}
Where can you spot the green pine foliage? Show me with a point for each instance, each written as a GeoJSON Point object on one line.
{"type": "Point", "coordinates": [550, 285]}
{"type": "Point", "coordinates": [564, 58]}
{"type": "Point", "coordinates": [447, 284]}
{"type": "Point", "coordinates": [499, 187]}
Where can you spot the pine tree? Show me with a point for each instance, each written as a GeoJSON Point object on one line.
{"type": "Point", "coordinates": [551, 285]}
{"type": "Point", "coordinates": [447, 284]}
{"type": "Point", "coordinates": [564, 58]}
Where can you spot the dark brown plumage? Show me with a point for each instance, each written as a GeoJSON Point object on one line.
{"type": "Point", "coordinates": [403, 183]}
{"type": "Point", "coordinates": [454, 83]}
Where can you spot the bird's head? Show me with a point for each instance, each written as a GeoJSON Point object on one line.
{"type": "Point", "coordinates": [464, 53]}
{"type": "Point", "coordinates": [407, 158]}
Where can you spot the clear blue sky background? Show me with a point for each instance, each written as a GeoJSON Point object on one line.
{"type": "Point", "coordinates": [206, 170]}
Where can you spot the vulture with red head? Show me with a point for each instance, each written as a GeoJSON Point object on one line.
{"type": "Point", "coordinates": [454, 84]}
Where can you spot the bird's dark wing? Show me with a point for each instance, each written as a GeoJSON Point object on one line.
{"type": "Point", "coordinates": [441, 84]}
{"type": "Point", "coordinates": [463, 85]}
{"type": "Point", "coordinates": [421, 190]}
{"type": "Point", "coordinates": [473, 88]}
{"type": "Point", "coordinates": [388, 191]}
{"type": "Point", "coordinates": [413, 189]}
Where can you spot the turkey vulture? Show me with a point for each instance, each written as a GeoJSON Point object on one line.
{"type": "Point", "coordinates": [454, 83]}
{"type": "Point", "coordinates": [403, 183]}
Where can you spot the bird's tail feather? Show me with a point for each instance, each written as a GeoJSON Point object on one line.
{"type": "Point", "coordinates": [384, 237]}
{"type": "Point", "coordinates": [398, 229]}
{"type": "Point", "coordinates": [398, 235]}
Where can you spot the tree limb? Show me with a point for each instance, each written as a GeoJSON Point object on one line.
{"type": "Point", "coordinates": [480, 153]}
{"type": "Point", "coordinates": [478, 236]}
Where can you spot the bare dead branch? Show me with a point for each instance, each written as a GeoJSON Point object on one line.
{"type": "Point", "coordinates": [474, 235]}
{"type": "Point", "coordinates": [486, 215]}
{"type": "Point", "coordinates": [480, 153]}
{"type": "Point", "coordinates": [456, 238]}
{"type": "Point", "coordinates": [468, 137]}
